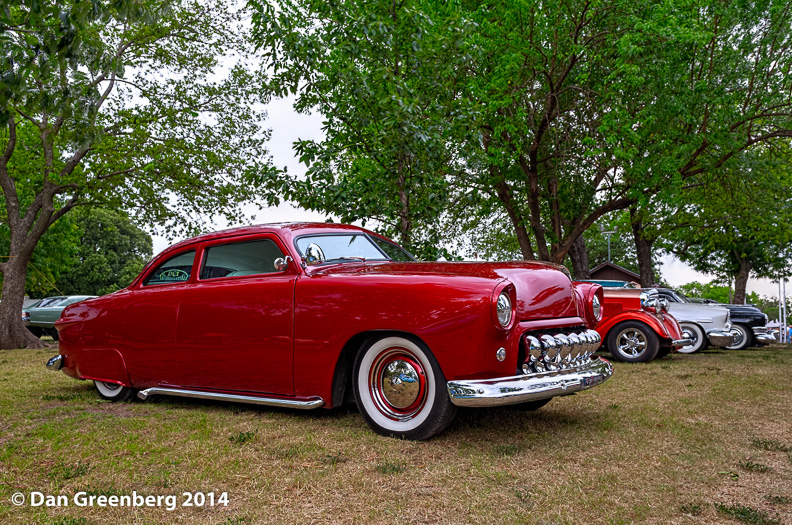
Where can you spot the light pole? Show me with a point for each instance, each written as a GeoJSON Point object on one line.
{"type": "Point", "coordinates": [609, 236]}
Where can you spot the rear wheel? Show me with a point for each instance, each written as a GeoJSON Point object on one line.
{"type": "Point", "coordinates": [113, 391]}
{"type": "Point", "coordinates": [400, 389]}
{"type": "Point", "coordinates": [633, 342]}
{"type": "Point", "coordinates": [35, 331]}
{"type": "Point", "coordinates": [696, 334]}
{"type": "Point", "coordinates": [53, 332]}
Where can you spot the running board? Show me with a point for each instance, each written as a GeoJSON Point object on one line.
{"type": "Point", "coordinates": [255, 400]}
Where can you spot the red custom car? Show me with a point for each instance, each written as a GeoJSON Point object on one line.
{"type": "Point", "coordinates": [636, 326]}
{"type": "Point", "coordinates": [311, 315]}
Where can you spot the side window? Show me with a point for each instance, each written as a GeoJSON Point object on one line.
{"type": "Point", "coordinates": [242, 258]}
{"type": "Point", "coordinates": [174, 270]}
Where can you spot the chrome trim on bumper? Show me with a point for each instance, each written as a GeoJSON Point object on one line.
{"type": "Point", "coordinates": [531, 387]}
{"type": "Point", "coordinates": [718, 338]}
{"type": "Point", "coordinates": [765, 338]}
{"type": "Point", "coordinates": [682, 342]}
{"type": "Point", "coordinates": [268, 401]}
{"type": "Point", "coordinates": [55, 363]}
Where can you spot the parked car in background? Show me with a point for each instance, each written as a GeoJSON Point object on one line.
{"type": "Point", "coordinates": [310, 315]}
{"type": "Point", "coordinates": [748, 323]}
{"type": "Point", "coordinates": [40, 316]}
{"type": "Point", "coordinates": [703, 324]}
{"type": "Point", "coordinates": [636, 327]}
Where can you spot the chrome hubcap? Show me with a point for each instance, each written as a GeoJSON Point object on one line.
{"type": "Point", "coordinates": [631, 342]}
{"type": "Point", "coordinates": [111, 386]}
{"type": "Point", "coordinates": [398, 384]}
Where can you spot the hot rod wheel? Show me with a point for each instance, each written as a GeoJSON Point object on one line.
{"type": "Point", "coordinates": [633, 342]}
{"type": "Point", "coordinates": [400, 389]}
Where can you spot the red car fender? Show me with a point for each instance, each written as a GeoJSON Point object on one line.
{"type": "Point", "coordinates": [659, 327]}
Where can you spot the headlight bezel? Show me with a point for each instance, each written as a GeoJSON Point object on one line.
{"type": "Point", "coordinates": [504, 296]}
{"type": "Point", "coordinates": [596, 307]}
{"type": "Point", "coordinates": [503, 309]}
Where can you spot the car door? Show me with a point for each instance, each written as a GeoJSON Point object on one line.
{"type": "Point", "coordinates": [234, 329]}
{"type": "Point", "coordinates": [144, 330]}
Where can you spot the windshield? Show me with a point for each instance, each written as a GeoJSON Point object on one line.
{"type": "Point", "coordinates": [682, 298]}
{"type": "Point", "coordinates": [350, 247]}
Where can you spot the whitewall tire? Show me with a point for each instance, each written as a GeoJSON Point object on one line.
{"type": "Point", "coordinates": [400, 389]}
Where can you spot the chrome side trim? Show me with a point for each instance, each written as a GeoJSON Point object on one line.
{"type": "Point", "coordinates": [719, 338]}
{"type": "Point", "coordinates": [255, 400]}
{"type": "Point", "coordinates": [682, 342]}
{"type": "Point", "coordinates": [531, 387]}
{"type": "Point", "coordinates": [55, 363]}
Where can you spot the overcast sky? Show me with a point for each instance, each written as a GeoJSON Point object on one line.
{"type": "Point", "coordinates": [288, 126]}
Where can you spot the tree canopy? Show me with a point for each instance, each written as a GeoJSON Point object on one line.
{"type": "Point", "coordinates": [147, 106]}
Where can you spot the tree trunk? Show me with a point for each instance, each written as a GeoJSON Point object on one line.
{"type": "Point", "coordinates": [741, 280]}
{"type": "Point", "coordinates": [578, 253]}
{"type": "Point", "coordinates": [13, 332]}
{"type": "Point", "coordinates": [643, 247]}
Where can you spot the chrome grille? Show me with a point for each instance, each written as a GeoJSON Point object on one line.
{"type": "Point", "coordinates": [558, 351]}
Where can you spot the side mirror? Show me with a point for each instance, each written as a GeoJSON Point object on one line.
{"type": "Point", "coordinates": [281, 263]}
{"type": "Point", "coordinates": [314, 255]}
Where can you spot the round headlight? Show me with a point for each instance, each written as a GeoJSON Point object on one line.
{"type": "Point", "coordinates": [596, 308]}
{"type": "Point", "coordinates": [504, 309]}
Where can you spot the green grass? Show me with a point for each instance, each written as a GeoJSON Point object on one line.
{"type": "Point", "coordinates": [680, 440]}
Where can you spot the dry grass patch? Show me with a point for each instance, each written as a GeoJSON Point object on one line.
{"type": "Point", "coordinates": [701, 438]}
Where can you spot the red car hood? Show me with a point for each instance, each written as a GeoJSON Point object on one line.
{"type": "Point", "coordinates": [543, 290]}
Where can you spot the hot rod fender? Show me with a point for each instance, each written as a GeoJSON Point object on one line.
{"type": "Point", "coordinates": [105, 364]}
{"type": "Point", "coordinates": [586, 292]}
{"type": "Point", "coordinates": [666, 330]}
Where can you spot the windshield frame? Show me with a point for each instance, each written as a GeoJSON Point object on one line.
{"type": "Point", "coordinates": [384, 258]}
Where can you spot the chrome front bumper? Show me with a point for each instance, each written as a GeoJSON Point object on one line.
{"type": "Point", "coordinates": [531, 387]}
{"type": "Point", "coordinates": [765, 338]}
{"type": "Point", "coordinates": [719, 338]}
{"type": "Point", "coordinates": [682, 342]}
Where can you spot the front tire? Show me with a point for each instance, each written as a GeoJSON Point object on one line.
{"type": "Point", "coordinates": [744, 339]}
{"type": "Point", "coordinates": [633, 342]}
{"type": "Point", "coordinates": [696, 333]}
{"type": "Point", "coordinates": [400, 389]}
{"type": "Point", "coordinates": [113, 391]}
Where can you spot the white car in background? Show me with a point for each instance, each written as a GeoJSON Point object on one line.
{"type": "Point", "coordinates": [702, 323]}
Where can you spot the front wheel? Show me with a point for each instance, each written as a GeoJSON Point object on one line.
{"type": "Point", "coordinates": [113, 391]}
{"type": "Point", "coordinates": [633, 342]}
{"type": "Point", "coordinates": [696, 334]}
{"type": "Point", "coordinates": [744, 338]}
{"type": "Point", "coordinates": [400, 389]}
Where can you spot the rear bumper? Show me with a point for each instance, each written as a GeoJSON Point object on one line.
{"type": "Point", "coordinates": [532, 387]}
{"type": "Point", "coordinates": [720, 338]}
{"type": "Point", "coordinates": [55, 363]}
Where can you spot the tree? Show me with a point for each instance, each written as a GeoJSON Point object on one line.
{"type": "Point", "coordinates": [380, 72]}
{"type": "Point", "coordinates": [133, 107]}
{"type": "Point", "coordinates": [111, 253]}
{"type": "Point", "coordinates": [740, 225]}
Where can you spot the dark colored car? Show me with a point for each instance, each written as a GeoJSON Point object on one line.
{"type": "Point", "coordinates": [748, 322]}
{"type": "Point", "coordinates": [311, 315]}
